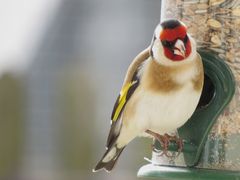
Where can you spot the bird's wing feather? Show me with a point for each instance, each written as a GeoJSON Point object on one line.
{"type": "Point", "coordinates": [130, 84]}
{"type": "Point", "coordinates": [123, 97]}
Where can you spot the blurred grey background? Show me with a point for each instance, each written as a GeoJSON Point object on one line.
{"type": "Point", "coordinates": [62, 63]}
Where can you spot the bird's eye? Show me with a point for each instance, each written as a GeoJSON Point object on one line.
{"type": "Point", "coordinates": [164, 43]}
{"type": "Point", "coordinates": [168, 44]}
{"type": "Point", "coordinates": [185, 39]}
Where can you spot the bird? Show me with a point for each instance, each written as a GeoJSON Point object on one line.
{"type": "Point", "coordinates": [160, 92]}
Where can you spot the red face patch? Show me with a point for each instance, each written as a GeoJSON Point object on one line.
{"type": "Point", "coordinates": [169, 54]}
{"type": "Point", "coordinates": [172, 34]}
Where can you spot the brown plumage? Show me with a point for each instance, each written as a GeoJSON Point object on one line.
{"type": "Point", "coordinates": [198, 80]}
{"type": "Point", "coordinates": [136, 63]}
{"type": "Point", "coordinates": [161, 78]}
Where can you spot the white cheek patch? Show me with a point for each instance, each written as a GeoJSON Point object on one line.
{"type": "Point", "coordinates": [158, 31]}
{"type": "Point", "coordinates": [157, 49]}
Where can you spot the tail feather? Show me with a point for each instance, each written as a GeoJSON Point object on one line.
{"type": "Point", "coordinates": [109, 159]}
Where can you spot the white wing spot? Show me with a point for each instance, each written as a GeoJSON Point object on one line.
{"type": "Point", "coordinates": [110, 155]}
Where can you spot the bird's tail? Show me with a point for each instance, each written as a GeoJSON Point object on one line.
{"type": "Point", "coordinates": [109, 159]}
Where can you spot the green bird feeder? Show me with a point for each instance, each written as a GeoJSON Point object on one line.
{"type": "Point", "coordinates": [212, 135]}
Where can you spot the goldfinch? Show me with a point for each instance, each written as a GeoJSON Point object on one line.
{"type": "Point", "coordinates": [160, 91]}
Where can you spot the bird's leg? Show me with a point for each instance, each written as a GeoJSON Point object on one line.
{"type": "Point", "coordinates": [163, 140]}
{"type": "Point", "coordinates": [156, 136]}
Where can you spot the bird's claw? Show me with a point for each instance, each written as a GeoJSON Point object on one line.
{"type": "Point", "coordinates": [164, 141]}
{"type": "Point", "coordinates": [178, 141]}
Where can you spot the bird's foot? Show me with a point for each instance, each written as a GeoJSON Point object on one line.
{"type": "Point", "coordinates": [164, 140]}
{"type": "Point", "coordinates": [178, 141]}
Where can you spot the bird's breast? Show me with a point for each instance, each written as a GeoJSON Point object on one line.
{"type": "Point", "coordinates": [166, 79]}
{"type": "Point", "coordinates": [158, 78]}
{"type": "Point", "coordinates": [164, 113]}
{"type": "Point", "coordinates": [166, 97]}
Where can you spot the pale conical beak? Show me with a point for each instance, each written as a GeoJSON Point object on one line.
{"type": "Point", "coordinates": [179, 48]}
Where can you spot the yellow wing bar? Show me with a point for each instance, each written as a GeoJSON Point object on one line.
{"type": "Point", "coordinates": [122, 99]}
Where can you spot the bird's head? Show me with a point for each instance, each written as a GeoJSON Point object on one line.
{"type": "Point", "coordinates": [171, 42]}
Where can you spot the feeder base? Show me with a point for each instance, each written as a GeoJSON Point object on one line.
{"type": "Point", "coordinates": [185, 173]}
